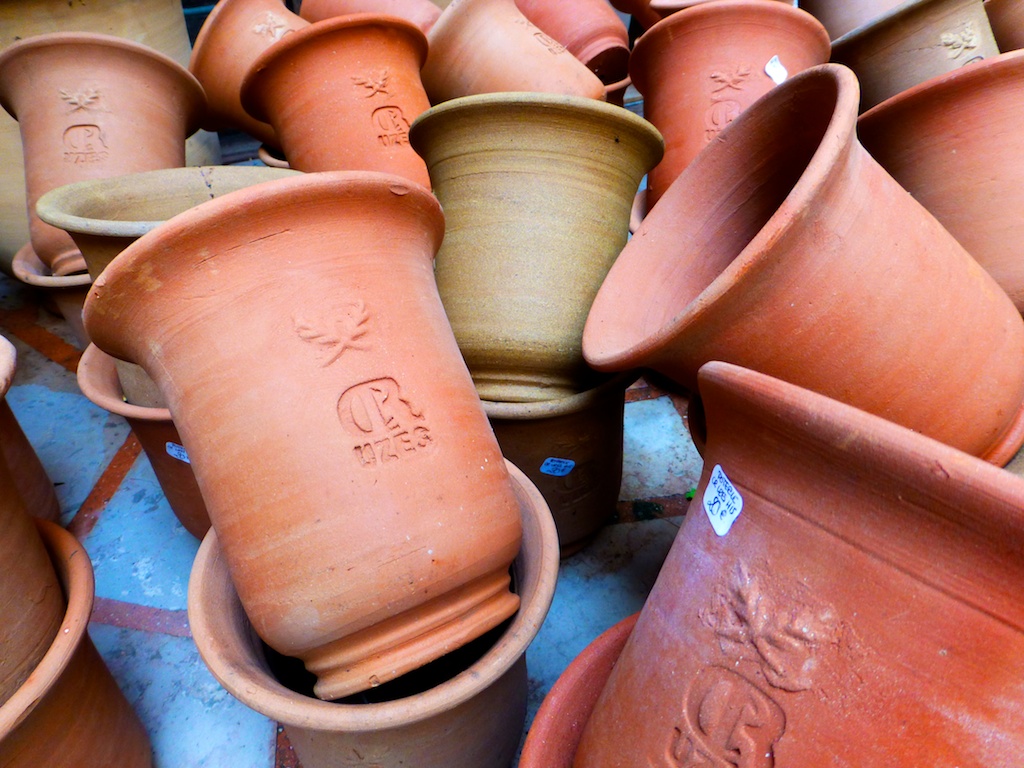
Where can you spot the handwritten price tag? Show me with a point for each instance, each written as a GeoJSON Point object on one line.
{"type": "Point", "coordinates": [177, 451]}
{"type": "Point", "coordinates": [557, 467]}
{"type": "Point", "coordinates": [722, 502]}
{"type": "Point", "coordinates": [776, 71]}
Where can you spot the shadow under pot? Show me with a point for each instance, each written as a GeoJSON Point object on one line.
{"type": "Point", "coordinates": [465, 710]}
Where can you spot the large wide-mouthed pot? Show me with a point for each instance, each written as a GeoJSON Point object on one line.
{"type": "Point", "coordinates": [295, 331]}
{"type": "Point", "coordinates": [785, 248]}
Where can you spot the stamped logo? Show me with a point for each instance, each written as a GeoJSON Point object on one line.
{"type": "Point", "coordinates": [552, 45]}
{"type": "Point", "coordinates": [337, 334]}
{"type": "Point", "coordinates": [272, 26]}
{"type": "Point", "coordinates": [724, 85]}
{"type": "Point", "coordinates": [391, 126]}
{"type": "Point", "coordinates": [386, 425]}
{"type": "Point", "coordinates": [373, 83]}
{"type": "Point", "coordinates": [85, 143]}
{"type": "Point", "coordinates": [960, 40]}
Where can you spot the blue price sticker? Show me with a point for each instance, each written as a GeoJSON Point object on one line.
{"type": "Point", "coordinates": [557, 467]}
{"type": "Point", "coordinates": [177, 451]}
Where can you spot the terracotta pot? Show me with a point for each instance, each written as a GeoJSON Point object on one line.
{"type": "Point", "coordinates": [668, 7]}
{"type": "Point", "coordinates": [489, 46]}
{"type": "Point", "coordinates": [1006, 18]}
{"type": "Point", "coordinates": [640, 10]}
{"type": "Point", "coordinates": [341, 94]}
{"type": "Point", "coordinates": [785, 248]}
{"type": "Point", "coordinates": [842, 16]}
{"type": "Point", "coordinates": [67, 292]}
{"type": "Point", "coordinates": [70, 710]}
{"type": "Point", "coordinates": [701, 67]}
{"type": "Point", "coordinates": [372, 489]}
{"type": "Point", "coordinates": [104, 216]}
{"type": "Point", "coordinates": [555, 733]}
{"type": "Point", "coordinates": [840, 572]}
{"type": "Point", "coordinates": [422, 13]}
{"type": "Point", "coordinates": [469, 716]}
{"type": "Point", "coordinates": [158, 24]}
{"type": "Point", "coordinates": [92, 106]}
{"type": "Point", "coordinates": [571, 449]}
{"type": "Point", "coordinates": [916, 41]}
{"type": "Point", "coordinates": [520, 175]}
{"type": "Point", "coordinates": [956, 143]}
{"type": "Point", "coordinates": [98, 380]}
{"type": "Point", "coordinates": [590, 29]}
{"type": "Point", "coordinates": [233, 36]}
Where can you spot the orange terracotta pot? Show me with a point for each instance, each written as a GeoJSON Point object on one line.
{"type": "Point", "coordinates": [98, 380]}
{"type": "Point", "coordinates": [465, 711]}
{"type": "Point", "coordinates": [802, 258]}
{"type": "Point", "coordinates": [839, 572]}
{"type": "Point", "coordinates": [70, 710]}
{"type": "Point", "coordinates": [916, 41]}
{"type": "Point", "coordinates": [92, 106]}
{"type": "Point", "coordinates": [702, 66]}
{"type": "Point", "coordinates": [590, 29]}
{"type": "Point", "coordinates": [66, 292]}
{"type": "Point", "coordinates": [342, 93]}
{"type": "Point", "coordinates": [422, 13]}
{"type": "Point", "coordinates": [354, 483]}
{"type": "Point", "coordinates": [490, 46]}
{"type": "Point", "coordinates": [956, 143]}
{"type": "Point", "coordinates": [842, 16]}
{"type": "Point", "coordinates": [233, 36]}
{"type": "Point", "coordinates": [1007, 20]}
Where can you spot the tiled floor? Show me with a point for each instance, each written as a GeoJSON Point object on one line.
{"type": "Point", "coordinates": [142, 556]}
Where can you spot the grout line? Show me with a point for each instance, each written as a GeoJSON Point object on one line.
{"type": "Point", "coordinates": [116, 613]}
{"type": "Point", "coordinates": [22, 324]}
{"type": "Point", "coordinates": [89, 513]}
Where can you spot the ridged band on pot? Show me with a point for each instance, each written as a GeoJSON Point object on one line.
{"type": "Point", "coordinates": [915, 41]}
{"type": "Point", "coordinates": [702, 66]}
{"type": "Point", "coordinates": [92, 106]}
{"type": "Point", "coordinates": [956, 143]}
{"type": "Point", "coordinates": [422, 13]}
{"type": "Point", "coordinates": [295, 330]}
{"type": "Point", "coordinates": [1006, 18]}
{"type": "Point", "coordinates": [67, 292]}
{"type": "Point", "coordinates": [70, 711]}
{"type": "Point", "coordinates": [471, 720]}
{"type": "Point", "coordinates": [842, 16]}
{"type": "Point", "coordinates": [536, 190]}
{"type": "Point", "coordinates": [786, 248]}
{"type": "Point", "coordinates": [837, 572]}
{"type": "Point", "coordinates": [341, 94]}
{"type": "Point", "coordinates": [571, 449]}
{"type": "Point", "coordinates": [155, 430]}
{"type": "Point", "coordinates": [233, 36]}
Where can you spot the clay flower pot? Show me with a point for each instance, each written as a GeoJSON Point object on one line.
{"type": "Point", "coordinates": [786, 249]}
{"type": "Point", "coordinates": [67, 292]}
{"type": "Point", "coordinates": [571, 449]}
{"type": "Point", "coordinates": [331, 424]}
{"type": "Point", "coordinates": [916, 41]}
{"type": "Point", "coordinates": [701, 67]}
{"type": "Point", "coordinates": [92, 106]}
{"type": "Point", "coordinates": [470, 716]}
{"type": "Point", "coordinates": [956, 143]}
{"type": "Point", "coordinates": [590, 29]}
{"type": "Point", "coordinates": [1006, 18]}
{"type": "Point", "coordinates": [558, 725]}
{"type": "Point", "coordinates": [536, 191]}
{"type": "Point", "coordinates": [422, 13]}
{"type": "Point", "coordinates": [490, 46]}
{"type": "Point", "coordinates": [668, 7]}
{"type": "Point", "coordinates": [842, 16]}
{"type": "Point", "coordinates": [640, 10]}
{"type": "Point", "coordinates": [233, 36]}
{"type": "Point", "coordinates": [98, 380]}
{"type": "Point", "coordinates": [839, 572]}
{"type": "Point", "coordinates": [70, 710]}
{"type": "Point", "coordinates": [342, 93]}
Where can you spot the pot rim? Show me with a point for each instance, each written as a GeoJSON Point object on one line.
{"type": "Point", "coordinates": [74, 571]}
{"type": "Point", "coordinates": [29, 268]}
{"type": "Point", "coordinates": [253, 88]}
{"type": "Point", "coordinates": [891, 16]}
{"type": "Point", "coordinates": [255, 687]}
{"type": "Point", "coordinates": [8, 365]}
{"type": "Point", "coordinates": [561, 406]}
{"type": "Point", "coordinates": [97, 378]}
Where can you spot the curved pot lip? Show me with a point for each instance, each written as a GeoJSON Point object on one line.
{"type": "Point", "coordinates": [62, 207]}
{"type": "Point", "coordinates": [8, 365]}
{"type": "Point", "coordinates": [74, 571]}
{"type": "Point", "coordinates": [893, 15]}
{"type": "Point", "coordinates": [562, 406]}
{"type": "Point", "coordinates": [97, 378]}
{"type": "Point", "coordinates": [196, 96]}
{"type": "Point", "coordinates": [839, 136]}
{"type": "Point", "coordinates": [252, 87]}
{"type": "Point", "coordinates": [28, 268]}
{"type": "Point", "coordinates": [261, 692]}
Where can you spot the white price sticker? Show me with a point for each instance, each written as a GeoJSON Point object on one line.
{"type": "Point", "coordinates": [722, 502]}
{"type": "Point", "coordinates": [177, 451]}
{"type": "Point", "coordinates": [776, 71]}
{"type": "Point", "coordinates": [557, 467]}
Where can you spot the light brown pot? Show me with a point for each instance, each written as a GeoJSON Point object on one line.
{"type": "Point", "coordinates": [839, 572]}
{"type": "Point", "coordinates": [93, 106]}
{"type": "Point", "coordinates": [842, 16]}
{"type": "Point", "coordinates": [343, 454]}
{"type": "Point", "coordinates": [536, 190]}
{"type": "Point", "coordinates": [914, 42]}
{"type": "Point", "coordinates": [489, 46]}
{"type": "Point", "coordinates": [701, 67]}
{"type": "Point", "coordinates": [1007, 20]}
{"type": "Point", "coordinates": [234, 34]}
{"type": "Point", "coordinates": [67, 292]}
{"type": "Point", "coordinates": [422, 13]}
{"type": "Point", "coordinates": [342, 93]}
{"type": "Point", "coordinates": [98, 380]}
{"type": "Point", "coordinates": [956, 143]}
{"type": "Point", "coordinates": [471, 717]}
{"type": "Point", "coordinates": [786, 249]}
